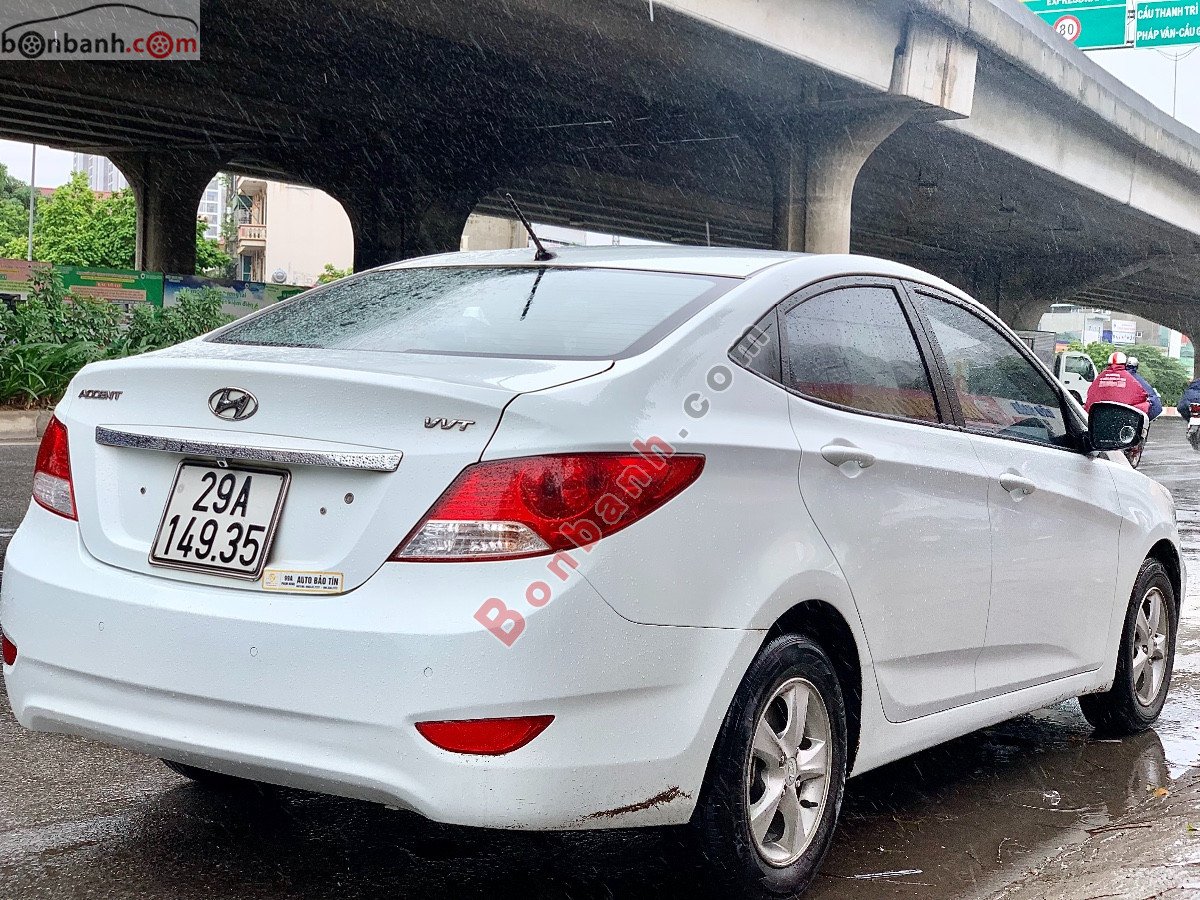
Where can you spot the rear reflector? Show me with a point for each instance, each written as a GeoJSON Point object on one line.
{"type": "Point", "coordinates": [8, 650]}
{"type": "Point", "coordinates": [52, 487]}
{"type": "Point", "coordinates": [510, 508]}
{"type": "Point", "coordinates": [485, 737]}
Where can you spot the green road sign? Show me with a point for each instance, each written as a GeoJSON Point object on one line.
{"type": "Point", "coordinates": [1088, 24]}
{"type": "Point", "coordinates": [1104, 24]}
{"type": "Point", "coordinates": [1161, 24]}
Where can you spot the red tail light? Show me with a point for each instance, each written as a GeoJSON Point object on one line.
{"type": "Point", "coordinates": [8, 650]}
{"type": "Point", "coordinates": [486, 737]}
{"type": "Point", "coordinates": [1194, 408]}
{"type": "Point", "coordinates": [52, 486]}
{"type": "Point", "coordinates": [510, 508]}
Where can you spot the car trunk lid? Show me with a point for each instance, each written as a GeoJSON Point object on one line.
{"type": "Point", "coordinates": [370, 440]}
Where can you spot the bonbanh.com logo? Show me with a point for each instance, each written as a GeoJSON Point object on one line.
{"type": "Point", "coordinates": [83, 30]}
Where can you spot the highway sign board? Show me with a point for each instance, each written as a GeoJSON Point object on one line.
{"type": "Point", "coordinates": [1105, 24]}
{"type": "Point", "coordinates": [1161, 24]}
{"type": "Point", "coordinates": [1088, 24]}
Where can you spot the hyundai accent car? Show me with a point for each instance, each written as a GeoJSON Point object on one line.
{"type": "Point", "coordinates": [626, 537]}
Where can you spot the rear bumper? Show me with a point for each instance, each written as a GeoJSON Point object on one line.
{"type": "Point", "coordinates": [322, 693]}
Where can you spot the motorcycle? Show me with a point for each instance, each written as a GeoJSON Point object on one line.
{"type": "Point", "coordinates": [1193, 429]}
{"type": "Point", "coordinates": [1134, 453]}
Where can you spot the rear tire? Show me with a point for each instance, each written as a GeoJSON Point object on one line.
{"type": "Point", "coordinates": [1145, 659]}
{"type": "Point", "coordinates": [215, 780]}
{"type": "Point", "coordinates": [784, 737]}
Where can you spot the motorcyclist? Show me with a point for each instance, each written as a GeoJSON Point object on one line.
{"type": "Point", "coordinates": [1116, 385]}
{"type": "Point", "coordinates": [1190, 395]}
{"type": "Point", "coordinates": [1156, 406]}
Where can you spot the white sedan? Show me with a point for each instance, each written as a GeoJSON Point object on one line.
{"type": "Point", "coordinates": [629, 537]}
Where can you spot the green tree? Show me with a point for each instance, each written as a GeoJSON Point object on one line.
{"type": "Point", "coordinates": [113, 230]}
{"type": "Point", "coordinates": [14, 207]}
{"type": "Point", "coordinates": [76, 228]}
{"type": "Point", "coordinates": [210, 258]}
{"type": "Point", "coordinates": [332, 273]}
{"type": "Point", "coordinates": [64, 231]}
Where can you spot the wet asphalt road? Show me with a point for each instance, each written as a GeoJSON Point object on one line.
{"type": "Point", "coordinates": [79, 819]}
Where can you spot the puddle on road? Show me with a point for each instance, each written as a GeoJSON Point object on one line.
{"type": "Point", "coordinates": [973, 814]}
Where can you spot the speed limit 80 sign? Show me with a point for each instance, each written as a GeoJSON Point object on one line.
{"type": "Point", "coordinates": [1069, 27]}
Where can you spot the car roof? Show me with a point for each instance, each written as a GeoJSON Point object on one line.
{"type": "Point", "coordinates": [729, 262]}
{"type": "Point", "coordinates": [723, 261]}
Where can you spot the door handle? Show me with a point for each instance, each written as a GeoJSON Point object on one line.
{"type": "Point", "coordinates": [1017, 486]}
{"type": "Point", "coordinates": [840, 454]}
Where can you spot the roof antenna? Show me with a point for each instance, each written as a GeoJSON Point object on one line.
{"type": "Point", "coordinates": [542, 254]}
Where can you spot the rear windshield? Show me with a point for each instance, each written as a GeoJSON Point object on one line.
{"type": "Point", "coordinates": [540, 312]}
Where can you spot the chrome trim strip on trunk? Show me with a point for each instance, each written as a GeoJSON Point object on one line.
{"type": "Point", "coordinates": [336, 459]}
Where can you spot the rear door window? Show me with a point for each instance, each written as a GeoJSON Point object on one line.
{"type": "Point", "coordinates": [853, 347]}
{"type": "Point", "coordinates": [529, 312]}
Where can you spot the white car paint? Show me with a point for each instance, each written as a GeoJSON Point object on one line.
{"type": "Point", "coordinates": [925, 629]}
{"type": "Point", "coordinates": [640, 649]}
{"type": "Point", "coordinates": [1054, 565]}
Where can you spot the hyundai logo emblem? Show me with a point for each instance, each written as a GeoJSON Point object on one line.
{"type": "Point", "coordinates": [232, 404]}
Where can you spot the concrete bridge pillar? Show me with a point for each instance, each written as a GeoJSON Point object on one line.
{"type": "Point", "coordinates": [1023, 314]}
{"type": "Point", "coordinates": [814, 167]}
{"type": "Point", "coordinates": [400, 223]}
{"type": "Point", "coordinates": [815, 160]}
{"type": "Point", "coordinates": [168, 187]}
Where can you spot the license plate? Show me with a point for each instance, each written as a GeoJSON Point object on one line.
{"type": "Point", "coordinates": [220, 520]}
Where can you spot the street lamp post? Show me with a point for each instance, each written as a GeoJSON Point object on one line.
{"type": "Point", "coordinates": [32, 199]}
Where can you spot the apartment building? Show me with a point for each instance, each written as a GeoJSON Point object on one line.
{"type": "Point", "coordinates": [288, 233]}
{"type": "Point", "coordinates": [102, 175]}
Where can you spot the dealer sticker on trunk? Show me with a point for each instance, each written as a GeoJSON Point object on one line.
{"type": "Point", "coordinates": [300, 582]}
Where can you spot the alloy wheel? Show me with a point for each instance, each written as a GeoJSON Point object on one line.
{"type": "Point", "coordinates": [1150, 639]}
{"type": "Point", "coordinates": [789, 772]}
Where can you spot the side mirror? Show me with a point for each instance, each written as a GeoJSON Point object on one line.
{"type": "Point", "coordinates": [1115, 426]}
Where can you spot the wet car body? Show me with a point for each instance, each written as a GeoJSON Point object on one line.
{"type": "Point", "coordinates": [901, 535]}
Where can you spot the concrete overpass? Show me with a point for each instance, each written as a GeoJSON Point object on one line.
{"type": "Point", "coordinates": [959, 135]}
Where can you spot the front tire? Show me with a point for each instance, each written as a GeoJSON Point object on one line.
{"type": "Point", "coordinates": [1145, 659]}
{"type": "Point", "coordinates": [774, 788]}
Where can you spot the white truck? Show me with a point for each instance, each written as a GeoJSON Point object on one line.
{"type": "Point", "coordinates": [1073, 368]}
{"type": "Point", "coordinates": [1076, 371]}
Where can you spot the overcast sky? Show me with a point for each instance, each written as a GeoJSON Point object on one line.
{"type": "Point", "coordinates": [1149, 72]}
